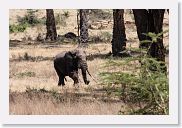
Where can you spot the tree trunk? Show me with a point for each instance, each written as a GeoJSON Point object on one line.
{"type": "Point", "coordinates": [119, 36]}
{"type": "Point", "coordinates": [144, 24]}
{"type": "Point", "coordinates": [50, 25]}
{"type": "Point", "coordinates": [84, 26]}
{"type": "Point", "coordinates": [150, 21]}
{"type": "Point", "coordinates": [156, 49]}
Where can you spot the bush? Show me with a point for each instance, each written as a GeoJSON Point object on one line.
{"type": "Point", "coordinates": [18, 28]}
{"type": "Point", "coordinates": [146, 88]}
{"type": "Point", "coordinates": [31, 18]}
{"type": "Point", "coordinates": [145, 91]}
{"type": "Point", "coordinates": [27, 21]}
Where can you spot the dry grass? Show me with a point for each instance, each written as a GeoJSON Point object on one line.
{"type": "Point", "coordinates": [40, 74]}
{"type": "Point", "coordinates": [63, 104]}
{"type": "Point", "coordinates": [45, 77]}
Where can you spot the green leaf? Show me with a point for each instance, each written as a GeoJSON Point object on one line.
{"type": "Point", "coordinates": [146, 41]}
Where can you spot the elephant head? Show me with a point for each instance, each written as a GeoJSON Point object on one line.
{"type": "Point", "coordinates": [80, 62]}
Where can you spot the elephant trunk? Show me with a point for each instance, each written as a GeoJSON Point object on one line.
{"type": "Point", "coordinates": [84, 68]}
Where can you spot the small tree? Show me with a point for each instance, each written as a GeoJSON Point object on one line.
{"type": "Point", "coordinates": [119, 36]}
{"type": "Point", "coordinates": [50, 25]}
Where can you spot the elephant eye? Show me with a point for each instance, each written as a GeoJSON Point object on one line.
{"type": "Point", "coordinates": [79, 59]}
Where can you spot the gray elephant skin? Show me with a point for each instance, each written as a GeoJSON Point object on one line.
{"type": "Point", "coordinates": [68, 63]}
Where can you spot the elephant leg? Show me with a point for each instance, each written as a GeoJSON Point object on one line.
{"type": "Point", "coordinates": [74, 76]}
{"type": "Point", "coordinates": [60, 75]}
{"type": "Point", "coordinates": [61, 80]}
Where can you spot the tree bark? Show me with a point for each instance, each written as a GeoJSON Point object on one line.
{"type": "Point", "coordinates": [150, 21]}
{"type": "Point", "coordinates": [156, 49]}
{"type": "Point", "coordinates": [84, 26]}
{"type": "Point", "coordinates": [144, 24]}
{"type": "Point", "coordinates": [119, 36]}
{"type": "Point", "coordinates": [50, 25]}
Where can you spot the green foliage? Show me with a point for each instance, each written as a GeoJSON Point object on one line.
{"type": "Point", "coordinates": [144, 91]}
{"type": "Point", "coordinates": [118, 78]}
{"type": "Point", "coordinates": [154, 37]}
{"type": "Point", "coordinates": [31, 19]}
{"type": "Point", "coordinates": [18, 28]}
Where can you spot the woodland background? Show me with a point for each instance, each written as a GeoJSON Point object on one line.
{"type": "Point", "coordinates": [127, 55]}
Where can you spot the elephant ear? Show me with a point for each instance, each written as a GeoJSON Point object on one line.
{"type": "Point", "coordinates": [70, 62]}
{"type": "Point", "coordinates": [76, 53]}
{"type": "Point", "coordinates": [71, 54]}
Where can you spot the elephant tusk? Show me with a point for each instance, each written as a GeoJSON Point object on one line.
{"type": "Point", "coordinates": [91, 76]}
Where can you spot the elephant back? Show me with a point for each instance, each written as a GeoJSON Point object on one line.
{"type": "Point", "coordinates": [60, 55]}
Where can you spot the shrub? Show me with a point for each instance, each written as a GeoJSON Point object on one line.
{"type": "Point", "coordinates": [147, 90]}
{"type": "Point", "coordinates": [27, 21]}
{"type": "Point", "coordinates": [18, 28]}
{"type": "Point", "coordinates": [31, 19]}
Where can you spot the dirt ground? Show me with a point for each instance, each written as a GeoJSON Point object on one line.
{"type": "Point", "coordinates": [28, 77]}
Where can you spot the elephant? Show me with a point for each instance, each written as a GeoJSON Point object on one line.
{"type": "Point", "coordinates": [67, 63]}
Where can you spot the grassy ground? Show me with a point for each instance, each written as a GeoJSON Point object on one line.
{"type": "Point", "coordinates": [33, 80]}
{"type": "Point", "coordinates": [90, 99]}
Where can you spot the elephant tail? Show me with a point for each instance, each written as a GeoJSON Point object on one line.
{"type": "Point", "coordinates": [91, 76]}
